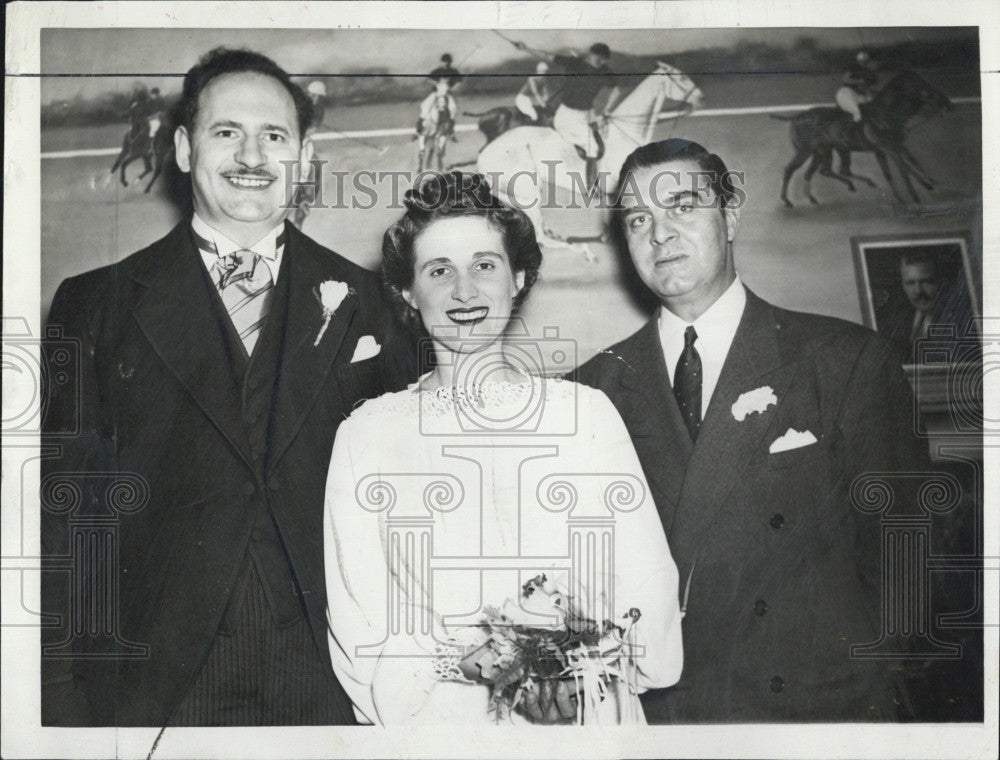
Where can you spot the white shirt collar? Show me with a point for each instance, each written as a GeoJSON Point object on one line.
{"type": "Point", "coordinates": [267, 247]}
{"type": "Point", "coordinates": [716, 328]}
{"type": "Point", "coordinates": [719, 321]}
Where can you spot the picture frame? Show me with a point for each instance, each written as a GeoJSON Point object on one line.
{"type": "Point", "coordinates": [917, 290]}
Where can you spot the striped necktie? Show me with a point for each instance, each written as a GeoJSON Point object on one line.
{"type": "Point", "coordinates": [245, 284]}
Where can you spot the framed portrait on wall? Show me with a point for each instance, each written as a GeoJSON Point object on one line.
{"type": "Point", "coordinates": [917, 291]}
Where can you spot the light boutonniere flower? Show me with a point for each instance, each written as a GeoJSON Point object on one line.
{"type": "Point", "coordinates": [330, 294]}
{"type": "Point", "coordinates": [757, 400]}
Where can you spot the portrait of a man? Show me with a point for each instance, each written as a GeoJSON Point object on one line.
{"type": "Point", "coordinates": [917, 290]}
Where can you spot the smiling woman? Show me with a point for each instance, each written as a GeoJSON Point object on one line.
{"type": "Point", "coordinates": [454, 531]}
{"type": "Point", "coordinates": [460, 262]}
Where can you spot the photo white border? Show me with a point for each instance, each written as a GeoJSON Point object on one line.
{"type": "Point", "coordinates": [21, 735]}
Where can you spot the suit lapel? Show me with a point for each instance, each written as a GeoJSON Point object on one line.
{"type": "Point", "coordinates": [726, 446]}
{"type": "Point", "coordinates": [304, 363]}
{"type": "Point", "coordinates": [651, 400]}
{"type": "Point", "coordinates": [178, 318]}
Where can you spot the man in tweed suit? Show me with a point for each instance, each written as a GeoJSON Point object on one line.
{"type": "Point", "coordinates": [751, 423]}
{"type": "Point", "coordinates": [216, 366]}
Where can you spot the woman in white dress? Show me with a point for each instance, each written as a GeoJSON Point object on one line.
{"type": "Point", "coordinates": [447, 497]}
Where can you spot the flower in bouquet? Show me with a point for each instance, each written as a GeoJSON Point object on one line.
{"type": "Point", "coordinates": [544, 636]}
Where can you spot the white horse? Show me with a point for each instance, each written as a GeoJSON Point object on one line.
{"type": "Point", "coordinates": [514, 161]}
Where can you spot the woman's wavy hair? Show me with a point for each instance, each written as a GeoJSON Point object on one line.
{"type": "Point", "coordinates": [449, 196]}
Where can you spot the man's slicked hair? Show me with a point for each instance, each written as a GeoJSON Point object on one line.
{"type": "Point", "coordinates": [679, 149]}
{"type": "Point", "coordinates": [221, 61]}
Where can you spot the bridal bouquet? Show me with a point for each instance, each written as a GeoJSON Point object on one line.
{"type": "Point", "coordinates": [521, 651]}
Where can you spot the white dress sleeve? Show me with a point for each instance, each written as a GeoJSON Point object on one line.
{"type": "Point", "coordinates": [645, 575]}
{"type": "Point", "coordinates": [389, 678]}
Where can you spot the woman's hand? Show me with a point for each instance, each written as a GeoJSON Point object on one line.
{"type": "Point", "coordinates": [553, 702]}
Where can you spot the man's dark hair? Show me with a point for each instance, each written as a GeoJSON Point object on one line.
{"type": "Point", "coordinates": [909, 258]}
{"type": "Point", "coordinates": [446, 58]}
{"type": "Point", "coordinates": [679, 149]}
{"type": "Point", "coordinates": [220, 61]}
{"type": "Point", "coordinates": [599, 48]}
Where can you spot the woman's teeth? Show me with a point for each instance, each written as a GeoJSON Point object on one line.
{"type": "Point", "coordinates": [468, 316]}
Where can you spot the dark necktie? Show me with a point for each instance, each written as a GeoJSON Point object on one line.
{"type": "Point", "coordinates": [687, 383]}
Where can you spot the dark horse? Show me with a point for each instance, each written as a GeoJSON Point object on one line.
{"type": "Point", "coordinates": [820, 132]}
{"type": "Point", "coordinates": [154, 151]}
{"type": "Point", "coordinates": [496, 121]}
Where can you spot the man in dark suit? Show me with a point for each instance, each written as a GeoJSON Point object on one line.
{"type": "Point", "coordinates": [216, 365]}
{"type": "Point", "coordinates": [751, 423]}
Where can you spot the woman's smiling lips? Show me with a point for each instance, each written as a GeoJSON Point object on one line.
{"type": "Point", "coordinates": [468, 316]}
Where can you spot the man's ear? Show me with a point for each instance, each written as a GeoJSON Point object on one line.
{"type": "Point", "coordinates": [732, 214]}
{"type": "Point", "coordinates": [182, 149]}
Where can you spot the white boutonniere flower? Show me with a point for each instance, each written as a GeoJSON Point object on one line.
{"type": "Point", "coordinates": [330, 294]}
{"type": "Point", "coordinates": [757, 400]}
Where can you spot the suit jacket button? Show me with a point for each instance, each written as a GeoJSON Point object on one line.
{"type": "Point", "coordinates": [248, 487]}
{"type": "Point", "coordinates": [760, 608]}
{"type": "Point", "coordinates": [251, 418]}
{"type": "Point", "coordinates": [777, 520]}
{"type": "Point", "coordinates": [777, 684]}
{"type": "Point", "coordinates": [274, 484]}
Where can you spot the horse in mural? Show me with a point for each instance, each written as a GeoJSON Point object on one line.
{"type": "Point", "coordinates": [518, 160]}
{"type": "Point", "coordinates": [154, 146]}
{"type": "Point", "coordinates": [433, 138]}
{"type": "Point", "coordinates": [819, 133]}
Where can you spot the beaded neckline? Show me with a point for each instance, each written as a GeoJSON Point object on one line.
{"type": "Point", "coordinates": [475, 396]}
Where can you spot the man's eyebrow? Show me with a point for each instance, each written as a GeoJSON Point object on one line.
{"type": "Point", "coordinates": [225, 123]}
{"type": "Point", "coordinates": [670, 201]}
{"type": "Point", "coordinates": [238, 125]}
{"type": "Point", "coordinates": [675, 199]}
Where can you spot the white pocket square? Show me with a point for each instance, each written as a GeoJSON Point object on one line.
{"type": "Point", "coordinates": [792, 439]}
{"type": "Point", "coordinates": [366, 349]}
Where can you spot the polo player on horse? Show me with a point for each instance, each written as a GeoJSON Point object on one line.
{"type": "Point", "coordinates": [585, 78]}
{"type": "Point", "coordinates": [533, 98]}
{"type": "Point", "coordinates": [145, 112]}
{"type": "Point", "coordinates": [858, 84]}
{"type": "Point", "coordinates": [444, 78]}
{"type": "Point", "coordinates": [436, 126]}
